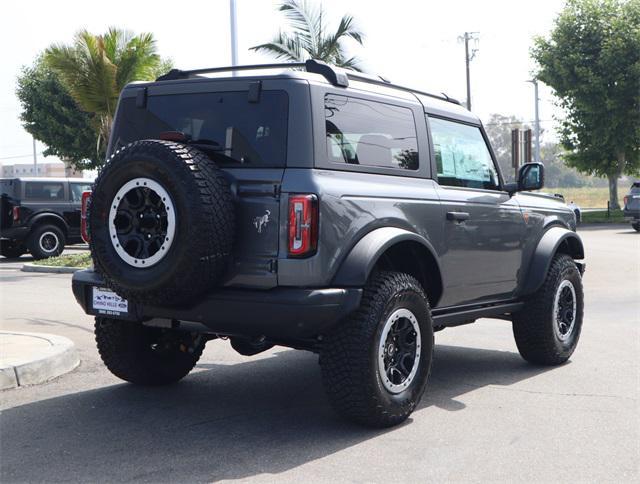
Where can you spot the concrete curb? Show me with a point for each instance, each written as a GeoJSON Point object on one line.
{"type": "Point", "coordinates": [58, 357]}
{"type": "Point", "coordinates": [31, 267]}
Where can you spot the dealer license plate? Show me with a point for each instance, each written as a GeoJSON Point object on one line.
{"type": "Point", "coordinates": [105, 301]}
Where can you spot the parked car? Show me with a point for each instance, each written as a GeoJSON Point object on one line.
{"type": "Point", "coordinates": [572, 205]}
{"type": "Point", "coordinates": [40, 215]}
{"type": "Point", "coordinates": [322, 210]}
{"type": "Point", "coordinates": [631, 210]}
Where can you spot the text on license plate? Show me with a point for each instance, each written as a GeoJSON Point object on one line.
{"type": "Point", "coordinates": [105, 301]}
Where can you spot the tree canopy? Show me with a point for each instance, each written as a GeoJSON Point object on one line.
{"type": "Point", "coordinates": [310, 38]}
{"type": "Point", "coordinates": [592, 61]}
{"type": "Point", "coordinates": [51, 115]}
{"type": "Point", "coordinates": [95, 68]}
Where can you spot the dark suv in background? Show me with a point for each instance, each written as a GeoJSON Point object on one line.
{"type": "Point", "coordinates": [40, 215]}
{"type": "Point", "coordinates": [323, 210]}
{"type": "Point", "coordinates": [632, 206]}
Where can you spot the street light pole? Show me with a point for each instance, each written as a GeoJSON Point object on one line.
{"type": "Point", "coordinates": [234, 33]}
{"type": "Point", "coordinates": [537, 119]}
{"type": "Point", "coordinates": [35, 158]}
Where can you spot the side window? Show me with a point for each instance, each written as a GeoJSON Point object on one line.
{"type": "Point", "coordinates": [44, 191]}
{"type": "Point", "coordinates": [77, 189]}
{"type": "Point", "coordinates": [462, 156]}
{"type": "Point", "coordinates": [370, 133]}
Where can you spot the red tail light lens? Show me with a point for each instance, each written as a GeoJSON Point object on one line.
{"type": "Point", "coordinates": [16, 214]}
{"type": "Point", "coordinates": [303, 225]}
{"type": "Point", "coordinates": [86, 199]}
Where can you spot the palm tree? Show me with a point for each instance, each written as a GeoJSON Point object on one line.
{"type": "Point", "coordinates": [309, 38]}
{"type": "Point", "coordinates": [95, 68]}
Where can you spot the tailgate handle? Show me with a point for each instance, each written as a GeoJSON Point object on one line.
{"type": "Point", "coordinates": [457, 216]}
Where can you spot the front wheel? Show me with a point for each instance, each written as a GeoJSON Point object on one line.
{"type": "Point", "coordinates": [146, 355]}
{"type": "Point", "coordinates": [376, 364]}
{"type": "Point", "coordinates": [548, 328]}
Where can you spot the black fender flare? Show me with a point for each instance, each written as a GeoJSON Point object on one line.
{"type": "Point", "coordinates": [41, 216]}
{"type": "Point", "coordinates": [357, 266]}
{"type": "Point", "coordinates": [549, 244]}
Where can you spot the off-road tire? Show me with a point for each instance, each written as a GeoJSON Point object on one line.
{"type": "Point", "coordinates": [636, 226]}
{"type": "Point", "coordinates": [126, 349]}
{"type": "Point", "coordinates": [11, 250]}
{"type": "Point", "coordinates": [534, 325]}
{"type": "Point", "coordinates": [39, 237]}
{"type": "Point", "coordinates": [349, 354]}
{"type": "Point", "coordinates": [200, 250]}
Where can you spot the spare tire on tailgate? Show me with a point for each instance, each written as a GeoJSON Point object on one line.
{"type": "Point", "coordinates": [161, 222]}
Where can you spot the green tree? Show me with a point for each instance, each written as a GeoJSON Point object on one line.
{"type": "Point", "coordinates": [592, 61]}
{"type": "Point", "coordinates": [95, 68]}
{"type": "Point", "coordinates": [309, 38]}
{"type": "Point", "coordinates": [51, 115]}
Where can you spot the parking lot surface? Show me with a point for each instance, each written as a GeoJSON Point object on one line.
{"type": "Point", "coordinates": [487, 415]}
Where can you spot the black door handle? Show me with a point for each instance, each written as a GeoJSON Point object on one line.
{"type": "Point", "coordinates": [457, 216]}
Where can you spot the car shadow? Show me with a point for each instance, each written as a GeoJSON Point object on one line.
{"type": "Point", "coordinates": [222, 422]}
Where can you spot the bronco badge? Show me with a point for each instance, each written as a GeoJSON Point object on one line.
{"type": "Point", "coordinates": [261, 221]}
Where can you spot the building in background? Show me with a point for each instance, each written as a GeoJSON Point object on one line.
{"type": "Point", "coordinates": [44, 170]}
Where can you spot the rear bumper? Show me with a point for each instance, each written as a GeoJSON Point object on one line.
{"type": "Point", "coordinates": [280, 313]}
{"type": "Point", "coordinates": [14, 234]}
{"type": "Point", "coordinates": [631, 214]}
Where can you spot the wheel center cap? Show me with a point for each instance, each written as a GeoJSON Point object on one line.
{"type": "Point", "coordinates": [391, 349]}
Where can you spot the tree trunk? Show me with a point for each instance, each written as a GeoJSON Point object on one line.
{"type": "Point", "coordinates": [613, 181]}
{"type": "Point", "coordinates": [613, 192]}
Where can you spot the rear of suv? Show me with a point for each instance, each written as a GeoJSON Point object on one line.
{"type": "Point", "coordinates": [322, 210]}
{"type": "Point", "coordinates": [631, 210]}
{"type": "Point", "coordinates": [39, 215]}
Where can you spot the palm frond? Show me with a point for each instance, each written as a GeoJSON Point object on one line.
{"type": "Point", "coordinates": [284, 47]}
{"type": "Point", "coordinates": [305, 21]}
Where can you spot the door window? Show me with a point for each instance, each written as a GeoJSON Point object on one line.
{"type": "Point", "coordinates": [77, 189]}
{"type": "Point", "coordinates": [462, 156]}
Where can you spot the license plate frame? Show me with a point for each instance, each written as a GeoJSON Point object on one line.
{"type": "Point", "coordinates": [105, 301]}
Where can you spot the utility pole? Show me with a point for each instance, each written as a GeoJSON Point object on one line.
{"type": "Point", "coordinates": [468, 57]}
{"type": "Point", "coordinates": [537, 119]}
{"type": "Point", "coordinates": [234, 33]}
{"type": "Point", "coordinates": [35, 158]}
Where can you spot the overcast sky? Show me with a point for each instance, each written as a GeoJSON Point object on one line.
{"type": "Point", "coordinates": [410, 42]}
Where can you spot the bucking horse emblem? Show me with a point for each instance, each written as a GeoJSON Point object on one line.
{"type": "Point", "coordinates": [261, 221]}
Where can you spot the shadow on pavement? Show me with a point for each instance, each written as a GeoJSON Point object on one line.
{"type": "Point", "coordinates": [222, 422]}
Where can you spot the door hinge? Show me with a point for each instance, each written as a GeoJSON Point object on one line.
{"type": "Point", "coordinates": [273, 265]}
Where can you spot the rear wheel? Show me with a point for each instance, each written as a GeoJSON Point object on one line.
{"type": "Point", "coordinates": [146, 355]}
{"type": "Point", "coordinates": [636, 226]}
{"type": "Point", "coordinates": [548, 328]}
{"type": "Point", "coordinates": [376, 364]}
{"type": "Point", "coordinates": [46, 241]}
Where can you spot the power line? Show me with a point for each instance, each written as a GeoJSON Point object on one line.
{"type": "Point", "coordinates": [19, 156]}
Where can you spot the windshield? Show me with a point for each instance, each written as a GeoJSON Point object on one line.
{"type": "Point", "coordinates": [244, 133]}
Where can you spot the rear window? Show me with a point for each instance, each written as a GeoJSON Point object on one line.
{"type": "Point", "coordinates": [224, 124]}
{"type": "Point", "coordinates": [44, 191]}
{"type": "Point", "coordinates": [362, 132]}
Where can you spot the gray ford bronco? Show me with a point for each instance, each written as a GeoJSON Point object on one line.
{"type": "Point", "coordinates": [323, 210]}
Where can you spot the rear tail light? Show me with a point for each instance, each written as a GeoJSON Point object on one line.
{"type": "Point", "coordinates": [16, 214]}
{"type": "Point", "coordinates": [86, 199]}
{"type": "Point", "coordinates": [626, 200]}
{"type": "Point", "coordinates": [303, 225]}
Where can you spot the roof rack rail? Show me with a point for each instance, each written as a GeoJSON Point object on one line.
{"type": "Point", "coordinates": [335, 75]}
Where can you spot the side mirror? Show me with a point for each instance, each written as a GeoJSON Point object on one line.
{"type": "Point", "coordinates": [530, 177]}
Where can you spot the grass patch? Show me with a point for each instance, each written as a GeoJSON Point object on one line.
{"type": "Point", "coordinates": [615, 216]}
{"type": "Point", "coordinates": [589, 197]}
{"type": "Point", "coordinates": [82, 260]}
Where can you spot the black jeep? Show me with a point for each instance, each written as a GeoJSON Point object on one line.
{"type": "Point", "coordinates": [323, 210]}
{"type": "Point", "coordinates": [39, 215]}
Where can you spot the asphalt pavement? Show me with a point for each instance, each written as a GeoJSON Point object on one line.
{"type": "Point", "coordinates": [487, 415]}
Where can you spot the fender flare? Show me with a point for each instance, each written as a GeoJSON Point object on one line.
{"type": "Point", "coordinates": [547, 248]}
{"type": "Point", "coordinates": [38, 217]}
{"type": "Point", "coordinates": [357, 266]}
